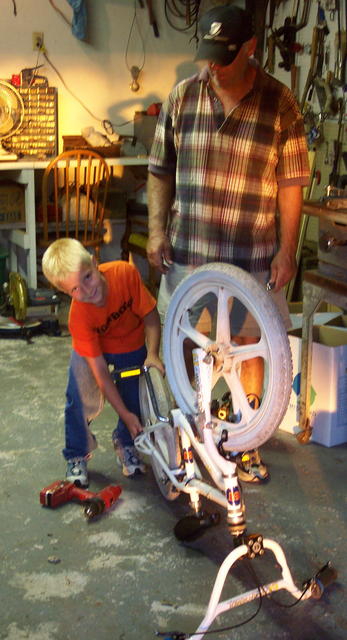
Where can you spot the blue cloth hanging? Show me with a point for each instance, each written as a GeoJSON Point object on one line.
{"type": "Point", "coordinates": [79, 20]}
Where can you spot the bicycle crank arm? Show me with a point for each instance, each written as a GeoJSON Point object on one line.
{"type": "Point", "coordinates": [144, 445]}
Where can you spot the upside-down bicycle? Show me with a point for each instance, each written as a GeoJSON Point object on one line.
{"type": "Point", "coordinates": [214, 418]}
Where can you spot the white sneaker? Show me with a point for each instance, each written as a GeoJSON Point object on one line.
{"type": "Point", "coordinates": [129, 460]}
{"type": "Point", "coordinates": [76, 472]}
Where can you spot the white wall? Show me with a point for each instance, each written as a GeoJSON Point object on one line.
{"type": "Point", "coordinates": [96, 72]}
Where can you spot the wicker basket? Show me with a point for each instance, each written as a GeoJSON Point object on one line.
{"type": "Point", "coordinates": [78, 142]}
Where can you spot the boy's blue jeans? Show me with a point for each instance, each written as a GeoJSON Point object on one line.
{"type": "Point", "coordinates": [84, 401]}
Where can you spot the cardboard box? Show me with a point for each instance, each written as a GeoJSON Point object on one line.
{"type": "Point", "coordinates": [332, 248]}
{"type": "Point", "coordinates": [339, 321]}
{"type": "Point", "coordinates": [325, 317]}
{"type": "Point", "coordinates": [144, 128]}
{"type": "Point", "coordinates": [78, 142]}
{"type": "Point", "coordinates": [12, 204]}
{"type": "Point", "coordinates": [328, 401]}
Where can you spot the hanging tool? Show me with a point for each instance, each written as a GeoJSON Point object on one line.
{"type": "Point", "coordinates": [334, 175]}
{"type": "Point", "coordinates": [340, 47]}
{"type": "Point", "coordinates": [135, 72]}
{"type": "Point", "coordinates": [258, 11]}
{"type": "Point", "coordinates": [340, 62]}
{"type": "Point", "coordinates": [284, 38]}
{"type": "Point", "coordinates": [274, 4]}
{"type": "Point", "coordinates": [330, 5]}
{"type": "Point", "coordinates": [327, 102]}
{"type": "Point", "coordinates": [152, 20]}
{"type": "Point", "coordinates": [270, 62]}
{"type": "Point", "coordinates": [184, 16]}
{"type": "Point", "coordinates": [320, 30]}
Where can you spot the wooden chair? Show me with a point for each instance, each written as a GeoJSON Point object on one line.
{"type": "Point", "coordinates": [134, 241]}
{"type": "Point", "coordinates": [74, 191]}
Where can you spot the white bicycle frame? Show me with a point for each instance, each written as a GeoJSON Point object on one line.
{"type": "Point", "coordinates": [226, 493]}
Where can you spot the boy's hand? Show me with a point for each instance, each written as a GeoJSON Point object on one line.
{"type": "Point", "coordinates": [153, 360]}
{"type": "Point", "coordinates": [133, 423]}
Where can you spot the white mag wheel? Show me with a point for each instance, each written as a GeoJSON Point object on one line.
{"type": "Point", "coordinates": [199, 314]}
{"type": "Point", "coordinates": [164, 438]}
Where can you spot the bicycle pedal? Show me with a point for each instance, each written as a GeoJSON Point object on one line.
{"type": "Point", "coordinates": [191, 527]}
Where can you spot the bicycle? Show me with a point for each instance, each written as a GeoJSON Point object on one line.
{"type": "Point", "coordinates": [215, 428]}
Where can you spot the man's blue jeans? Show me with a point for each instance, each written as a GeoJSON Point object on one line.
{"type": "Point", "coordinates": [84, 401]}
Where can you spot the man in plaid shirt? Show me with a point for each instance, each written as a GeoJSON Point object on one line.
{"type": "Point", "coordinates": [229, 153]}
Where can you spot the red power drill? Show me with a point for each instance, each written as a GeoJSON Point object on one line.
{"type": "Point", "coordinates": [62, 491]}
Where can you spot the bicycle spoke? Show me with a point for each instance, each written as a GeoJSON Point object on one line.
{"type": "Point", "coordinates": [223, 321]}
{"type": "Point", "coordinates": [188, 331]}
{"type": "Point", "coordinates": [239, 399]}
{"type": "Point", "coordinates": [248, 351]}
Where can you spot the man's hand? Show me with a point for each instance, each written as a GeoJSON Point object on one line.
{"type": "Point", "coordinates": [283, 269]}
{"type": "Point", "coordinates": [159, 252]}
{"type": "Point", "coordinates": [161, 191]}
{"type": "Point", "coordinates": [133, 424]}
{"type": "Point", "coordinates": [283, 266]}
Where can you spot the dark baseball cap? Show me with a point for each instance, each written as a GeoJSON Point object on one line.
{"type": "Point", "coordinates": [223, 31]}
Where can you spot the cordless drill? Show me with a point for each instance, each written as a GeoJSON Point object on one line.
{"type": "Point", "coordinates": [62, 491]}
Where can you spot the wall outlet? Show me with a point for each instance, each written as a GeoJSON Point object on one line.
{"type": "Point", "coordinates": [37, 40]}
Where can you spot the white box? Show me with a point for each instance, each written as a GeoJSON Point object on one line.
{"type": "Point", "coordinates": [328, 406]}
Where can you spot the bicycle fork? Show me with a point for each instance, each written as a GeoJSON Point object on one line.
{"type": "Point", "coordinates": [203, 367]}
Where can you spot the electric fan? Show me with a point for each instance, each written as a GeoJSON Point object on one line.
{"type": "Point", "coordinates": [11, 116]}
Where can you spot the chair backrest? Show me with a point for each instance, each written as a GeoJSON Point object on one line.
{"type": "Point", "coordinates": [74, 192]}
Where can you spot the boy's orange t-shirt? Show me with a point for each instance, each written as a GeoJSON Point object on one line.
{"type": "Point", "coordinates": [118, 326]}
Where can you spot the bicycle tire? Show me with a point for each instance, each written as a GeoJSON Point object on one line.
{"type": "Point", "coordinates": [165, 438]}
{"type": "Point", "coordinates": [227, 282]}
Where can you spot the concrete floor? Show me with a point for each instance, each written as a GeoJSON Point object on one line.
{"type": "Point", "coordinates": [125, 576]}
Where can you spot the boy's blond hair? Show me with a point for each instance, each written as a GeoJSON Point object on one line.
{"type": "Point", "coordinates": [63, 257]}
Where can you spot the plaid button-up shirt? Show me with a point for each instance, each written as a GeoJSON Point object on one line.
{"type": "Point", "coordinates": [228, 169]}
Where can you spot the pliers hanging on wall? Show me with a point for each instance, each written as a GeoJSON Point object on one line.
{"type": "Point", "coordinates": [285, 37]}
{"type": "Point", "coordinates": [152, 20]}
